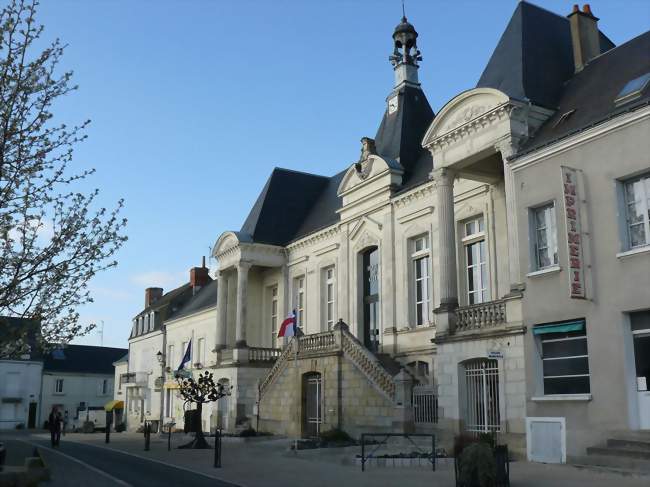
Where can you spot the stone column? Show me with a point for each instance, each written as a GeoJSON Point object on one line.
{"type": "Point", "coordinates": [404, 417]}
{"type": "Point", "coordinates": [222, 310]}
{"type": "Point", "coordinates": [242, 302]}
{"type": "Point", "coordinates": [444, 182]}
{"type": "Point", "coordinates": [507, 148]}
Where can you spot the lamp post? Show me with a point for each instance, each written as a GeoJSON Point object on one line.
{"type": "Point", "coordinates": [161, 360]}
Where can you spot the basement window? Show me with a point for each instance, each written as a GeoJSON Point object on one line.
{"type": "Point", "coordinates": [632, 90]}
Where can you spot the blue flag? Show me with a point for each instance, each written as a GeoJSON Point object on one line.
{"type": "Point", "coordinates": [186, 357]}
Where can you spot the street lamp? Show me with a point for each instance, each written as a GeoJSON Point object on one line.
{"type": "Point", "coordinates": [160, 357]}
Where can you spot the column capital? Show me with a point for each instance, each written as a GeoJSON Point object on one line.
{"type": "Point", "coordinates": [244, 265]}
{"type": "Point", "coordinates": [507, 147]}
{"type": "Point", "coordinates": [443, 176]}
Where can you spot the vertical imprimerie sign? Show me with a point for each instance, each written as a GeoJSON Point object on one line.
{"type": "Point", "coordinates": [574, 240]}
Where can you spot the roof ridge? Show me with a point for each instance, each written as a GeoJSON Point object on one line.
{"type": "Point", "coordinates": [294, 171]}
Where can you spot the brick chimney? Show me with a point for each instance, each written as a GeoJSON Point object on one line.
{"type": "Point", "coordinates": [199, 276]}
{"type": "Point", "coordinates": [151, 295]}
{"type": "Point", "coordinates": [584, 36]}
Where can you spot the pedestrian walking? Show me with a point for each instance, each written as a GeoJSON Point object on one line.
{"type": "Point", "coordinates": [55, 423]}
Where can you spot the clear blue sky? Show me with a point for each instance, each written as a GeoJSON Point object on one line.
{"type": "Point", "coordinates": [194, 102]}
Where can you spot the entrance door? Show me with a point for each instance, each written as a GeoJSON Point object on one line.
{"type": "Point", "coordinates": [482, 396]}
{"type": "Point", "coordinates": [371, 299]}
{"type": "Point", "coordinates": [641, 335]}
{"type": "Point", "coordinates": [312, 414]}
{"type": "Point", "coordinates": [31, 420]}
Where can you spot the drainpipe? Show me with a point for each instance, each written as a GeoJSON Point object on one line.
{"type": "Point", "coordinates": [162, 370]}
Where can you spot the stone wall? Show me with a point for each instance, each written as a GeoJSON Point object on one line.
{"type": "Point", "coordinates": [349, 400]}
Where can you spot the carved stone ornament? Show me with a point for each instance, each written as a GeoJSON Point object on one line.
{"type": "Point", "coordinates": [364, 165]}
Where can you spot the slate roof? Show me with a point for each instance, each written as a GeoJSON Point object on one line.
{"type": "Point", "coordinates": [592, 92]}
{"type": "Point", "coordinates": [534, 57]}
{"type": "Point", "coordinates": [84, 359]}
{"type": "Point", "coordinates": [533, 61]}
{"type": "Point", "coordinates": [205, 298]}
{"type": "Point", "coordinates": [168, 304]}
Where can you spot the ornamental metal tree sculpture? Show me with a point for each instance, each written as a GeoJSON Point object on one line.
{"type": "Point", "coordinates": [53, 239]}
{"type": "Point", "coordinates": [200, 391]}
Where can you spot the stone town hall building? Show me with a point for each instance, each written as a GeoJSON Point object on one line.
{"type": "Point", "coordinates": [490, 264]}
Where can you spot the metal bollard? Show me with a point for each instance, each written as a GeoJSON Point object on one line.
{"type": "Point", "coordinates": [147, 435]}
{"type": "Point", "coordinates": [3, 455]}
{"type": "Point", "coordinates": [169, 438]}
{"type": "Point", "coordinates": [217, 448]}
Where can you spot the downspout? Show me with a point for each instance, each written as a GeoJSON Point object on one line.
{"type": "Point", "coordinates": [162, 370]}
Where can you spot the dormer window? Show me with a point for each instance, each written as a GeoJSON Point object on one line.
{"type": "Point", "coordinates": [632, 90]}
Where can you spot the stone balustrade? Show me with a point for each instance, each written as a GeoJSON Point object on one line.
{"type": "Point", "coordinates": [318, 342]}
{"type": "Point", "coordinates": [480, 316]}
{"type": "Point", "coordinates": [261, 354]}
{"type": "Point", "coordinates": [339, 340]}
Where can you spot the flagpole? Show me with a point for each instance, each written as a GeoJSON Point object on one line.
{"type": "Point", "coordinates": [298, 388]}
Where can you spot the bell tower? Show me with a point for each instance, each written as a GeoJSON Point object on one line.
{"type": "Point", "coordinates": [405, 55]}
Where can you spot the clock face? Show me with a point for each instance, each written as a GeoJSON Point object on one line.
{"type": "Point", "coordinates": [392, 104]}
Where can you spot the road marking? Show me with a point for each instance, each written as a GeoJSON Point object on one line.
{"type": "Point", "coordinates": [76, 460]}
{"type": "Point", "coordinates": [211, 477]}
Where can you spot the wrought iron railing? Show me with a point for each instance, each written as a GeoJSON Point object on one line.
{"type": "Point", "coordinates": [425, 405]}
{"type": "Point", "coordinates": [478, 316]}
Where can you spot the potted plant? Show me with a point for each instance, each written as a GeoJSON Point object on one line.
{"type": "Point", "coordinates": [480, 462]}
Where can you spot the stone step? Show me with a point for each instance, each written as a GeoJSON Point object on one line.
{"type": "Point", "coordinates": [611, 461]}
{"type": "Point", "coordinates": [624, 443]}
{"type": "Point", "coordinates": [619, 452]}
{"type": "Point", "coordinates": [627, 472]}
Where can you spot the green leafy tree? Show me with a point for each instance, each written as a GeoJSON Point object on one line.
{"type": "Point", "coordinates": [53, 237]}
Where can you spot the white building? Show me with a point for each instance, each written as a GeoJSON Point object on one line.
{"type": "Point", "coordinates": [77, 379]}
{"type": "Point", "coordinates": [476, 247]}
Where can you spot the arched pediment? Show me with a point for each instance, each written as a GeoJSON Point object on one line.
{"type": "Point", "coordinates": [462, 109]}
{"type": "Point", "coordinates": [367, 170]}
{"type": "Point", "coordinates": [365, 240]}
{"type": "Point", "coordinates": [228, 240]}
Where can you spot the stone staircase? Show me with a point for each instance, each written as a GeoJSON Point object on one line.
{"type": "Point", "coordinates": [379, 369]}
{"type": "Point", "coordinates": [625, 452]}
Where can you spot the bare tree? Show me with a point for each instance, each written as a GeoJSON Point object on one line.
{"type": "Point", "coordinates": [200, 391]}
{"type": "Point", "coordinates": [53, 238]}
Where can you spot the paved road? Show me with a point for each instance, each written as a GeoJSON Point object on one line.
{"type": "Point", "coordinates": [74, 464]}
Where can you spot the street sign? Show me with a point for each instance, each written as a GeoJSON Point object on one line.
{"type": "Point", "coordinates": [495, 354]}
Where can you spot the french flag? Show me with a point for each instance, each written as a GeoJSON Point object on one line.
{"type": "Point", "coordinates": [289, 327]}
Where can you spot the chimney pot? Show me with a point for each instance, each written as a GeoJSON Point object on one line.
{"type": "Point", "coordinates": [586, 8]}
{"type": "Point", "coordinates": [576, 8]}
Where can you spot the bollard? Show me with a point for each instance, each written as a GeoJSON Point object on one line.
{"type": "Point", "coordinates": [108, 433]}
{"type": "Point", "coordinates": [147, 435]}
{"type": "Point", "coordinates": [169, 438]}
{"type": "Point", "coordinates": [217, 448]}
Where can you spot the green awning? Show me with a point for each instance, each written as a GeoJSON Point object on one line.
{"type": "Point", "coordinates": [564, 327]}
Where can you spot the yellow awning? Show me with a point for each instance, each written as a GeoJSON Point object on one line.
{"type": "Point", "coordinates": [171, 385]}
{"type": "Point", "coordinates": [115, 404]}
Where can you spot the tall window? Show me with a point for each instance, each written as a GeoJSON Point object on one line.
{"type": "Point", "coordinates": [564, 357]}
{"type": "Point", "coordinates": [170, 356]}
{"type": "Point", "coordinates": [637, 210]}
{"type": "Point", "coordinates": [104, 387]}
{"type": "Point", "coordinates": [475, 261]}
{"type": "Point", "coordinates": [58, 386]}
{"type": "Point", "coordinates": [330, 292]}
{"type": "Point", "coordinates": [273, 312]}
{"type": "Point", "coordinates": [200, 351]}
{"type": "Point", "coordinates": [422, 282]}
{"type": "Point", "coordinates": [300, 301]}
{"type": "Point", "coordinates": [544, 236]}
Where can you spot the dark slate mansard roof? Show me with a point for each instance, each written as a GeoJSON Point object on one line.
{"type": "Point", "coordinates": [533, 61]}
{"type": "Point", "coordinates": [83, 359]}
{"type": "Point", "coordinates": [205, 298]}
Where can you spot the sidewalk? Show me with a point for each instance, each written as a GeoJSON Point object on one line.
{"type": "Point", "coordinates": [270, 464]}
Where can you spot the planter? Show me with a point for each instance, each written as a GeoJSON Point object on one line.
{"type": "Point", "coordinates": [502, 461]}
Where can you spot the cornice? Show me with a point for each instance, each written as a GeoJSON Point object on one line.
{"type": "Point", "coordinates": [316, 237]}
{"type": "Point", "coordinates": [466, 130]}
{"type": "Point", "coordinates": [418, 193]}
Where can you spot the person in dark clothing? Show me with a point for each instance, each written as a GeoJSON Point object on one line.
{"type": "Point", "coordinates": [55, 422]}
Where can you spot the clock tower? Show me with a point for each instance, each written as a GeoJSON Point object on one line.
{"type": "Point", "coordinates": [408, 113]}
